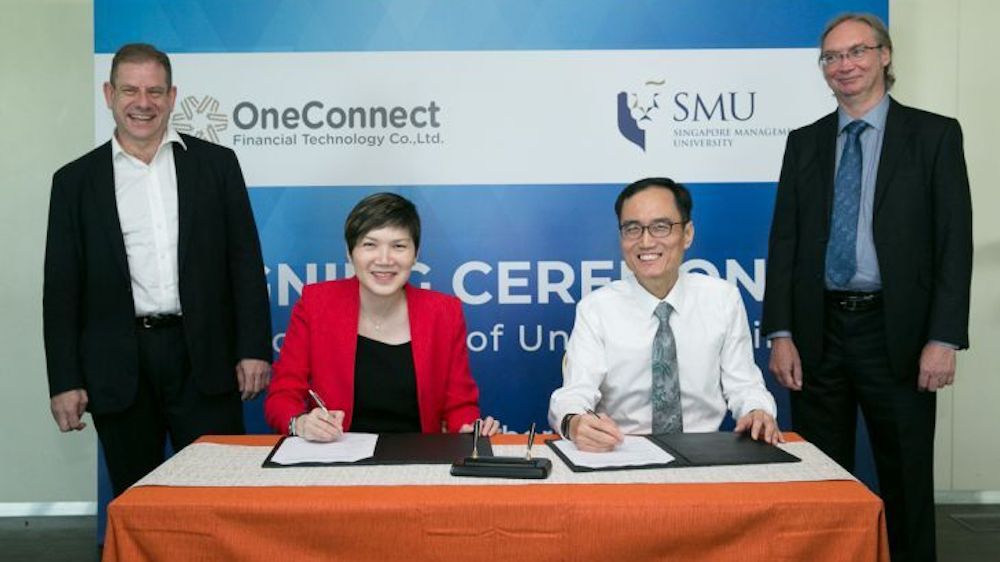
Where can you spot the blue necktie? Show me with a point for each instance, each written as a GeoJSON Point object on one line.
{"type": "Point", "coordinates": [666, 396]}
{"type": "Point", "coordinates": [841, 251]}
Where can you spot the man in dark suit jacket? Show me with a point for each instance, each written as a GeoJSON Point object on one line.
{"type": "Point", "coordinates": [876, 325]}
{"type": "Point", "coordinates": [155, 306]}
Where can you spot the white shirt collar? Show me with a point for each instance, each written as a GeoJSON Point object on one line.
{"type": "Point", "coordinates": [169, 136]}
{"type": "Point", "coordinates": [648, 302]}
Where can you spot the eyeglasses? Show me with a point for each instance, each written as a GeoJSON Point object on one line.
{"type": "Point", "coordinates": [854, 54]}
{"type": "Point", "coordinates": [657, 229]}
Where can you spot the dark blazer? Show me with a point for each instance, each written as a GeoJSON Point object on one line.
{"type": "Point", "coordinates": [321, 343]}
{"type": "Point", "coordinates": [88, 311]}
{"type": "Point", "coordinates": [922, 227]}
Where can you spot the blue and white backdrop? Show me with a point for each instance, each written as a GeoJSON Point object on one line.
{"type": "Point", "coordinates": [512, 125]}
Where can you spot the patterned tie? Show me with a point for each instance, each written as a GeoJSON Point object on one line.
{"type": "Point", "coordinates": [841, 250]}
{"type": "Point", "coordinates": [666, 384]}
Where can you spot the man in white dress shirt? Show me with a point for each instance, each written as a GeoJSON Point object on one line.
{"type": "Point", "coordinates": [155, 306]}
{"type": "Point", "coordinates": [661, 351]}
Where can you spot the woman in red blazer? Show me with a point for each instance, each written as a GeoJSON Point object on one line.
{"type": "Point", "coordinates": [383, 356]}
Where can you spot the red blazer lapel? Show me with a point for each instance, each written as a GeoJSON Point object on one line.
{"type": "Point", "coordinates": [337, 345]}
{"type": "Point", "coordinates": [421, 340]}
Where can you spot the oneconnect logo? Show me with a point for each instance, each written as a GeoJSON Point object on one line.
{"type": "Point", "coordinates": [200, 118]}
{"type": "Point", "coordinates": [315, 123]}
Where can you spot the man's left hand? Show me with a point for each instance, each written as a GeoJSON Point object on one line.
{"type": "Point", "coordinates": [253, 376]}
{"type": "Point", "coordinates": [761, 426]}
{"type": "Point", "coordinates": [937, 367]}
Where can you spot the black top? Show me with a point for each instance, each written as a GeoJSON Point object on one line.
{"type": "Point", "coordinates": [385, 388]}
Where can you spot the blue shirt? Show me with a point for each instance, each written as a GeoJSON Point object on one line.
{"type": "Point", "coordinates": [867, 277]}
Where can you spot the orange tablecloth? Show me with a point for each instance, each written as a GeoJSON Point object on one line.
{"type": "Point", "coordinates": [796, 521]}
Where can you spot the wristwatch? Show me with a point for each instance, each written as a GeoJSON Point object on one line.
{"type": "Point", "coordinates": [291, 426]}
{"type": "Point", "coordinates": [564, 426]}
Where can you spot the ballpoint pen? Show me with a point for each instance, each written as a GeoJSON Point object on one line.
{"type": "Point", "coordinates": [531, 441]}
{"type": "Point", "coordinates": [476, 426]}
{"type": "Point", "coordinates": [319, 402]}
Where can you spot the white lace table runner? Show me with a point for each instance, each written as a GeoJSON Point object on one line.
{"type": "Point", "coordinates": [212, 464]}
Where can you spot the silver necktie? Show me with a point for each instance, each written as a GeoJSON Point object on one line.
{"type": "Point", "coordinates": [666, 382]}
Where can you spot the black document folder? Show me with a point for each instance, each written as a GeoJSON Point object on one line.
{"type": "Point", "coordinates": [720, 448]}
{"type": "Point", "coordinates": [406, 448]}
{"type": "Point", "coordinates": [702, 449]}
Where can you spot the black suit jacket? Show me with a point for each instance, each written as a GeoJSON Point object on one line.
{"type": "Point", "coordinates": [922, 227]}
{"type": "Point", "coordinates": [88, 311]}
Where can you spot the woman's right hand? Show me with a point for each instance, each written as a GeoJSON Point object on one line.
{"type": "Point", "coordinates": [318, 425]}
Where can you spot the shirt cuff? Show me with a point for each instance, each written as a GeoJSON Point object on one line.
{"type": "Point", "coordinates": [564, 425]}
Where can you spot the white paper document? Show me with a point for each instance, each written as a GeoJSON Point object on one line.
{"type": "Point", "coordinates": [634, 451]}
{"type": "Point", "coordinates": [351, 447]}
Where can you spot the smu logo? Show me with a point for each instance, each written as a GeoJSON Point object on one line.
{"type": "Point", "coordinates": [643, 117]}
{"type": "Point", "coordinates": [637, 111]}
{"type": "Point", "coordinates": [722, 107]}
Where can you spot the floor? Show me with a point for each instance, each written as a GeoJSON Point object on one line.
{"type": "Point", "coordinates": [966, 533]}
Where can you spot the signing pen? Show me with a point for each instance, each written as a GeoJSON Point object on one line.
{"type": "Point", "coordinates": [531, 441]}
{"type": "Point", "coordinates": [319, 402]}
{"type": "Point", "coordinates": [476, 425]}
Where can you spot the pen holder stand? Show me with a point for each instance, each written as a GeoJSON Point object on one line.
{"type": "Point", "coordinates": [502, 467]}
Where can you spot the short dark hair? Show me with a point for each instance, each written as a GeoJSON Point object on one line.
{"type": "Point", "coordinates": [881, 36]}
{"type": "Point", "coordinates": [380, 210]}
{"type": "Point", "coordinates": [681, 195]}
{"type": "Point", "coordinates": [139, 53]}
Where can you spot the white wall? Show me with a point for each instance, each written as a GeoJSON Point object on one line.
{"type": "Point", "coordinates": [943, 64]}
{"type": "Point", "coordinates": [46, 120]}
{"type": "Point", "coordinates": [976, 458]}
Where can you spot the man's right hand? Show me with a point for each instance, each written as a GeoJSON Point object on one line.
{"type": "Point", "coordinates": [595, 434]}
{"type": "Point", "coordinates": [785, 363]}
{"type": "Point", "coordinates": [318, 425]}
{"type": "Point", "coordinates": [67, 409]}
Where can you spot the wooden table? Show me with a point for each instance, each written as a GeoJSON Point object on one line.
{"type": "Point", "coordinates": [794, 521]}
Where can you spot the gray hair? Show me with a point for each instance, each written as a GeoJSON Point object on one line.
{"type": "Point", "coordinates": [881, 36]}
